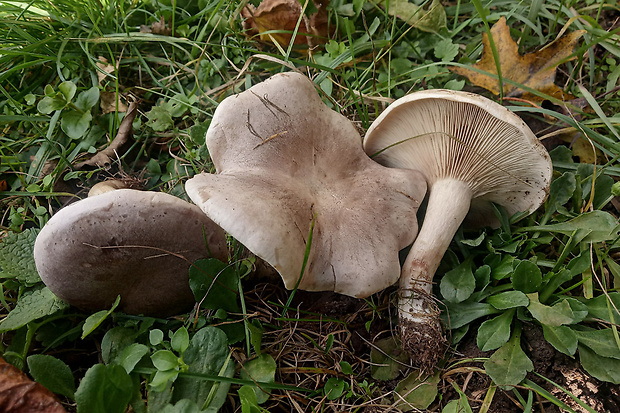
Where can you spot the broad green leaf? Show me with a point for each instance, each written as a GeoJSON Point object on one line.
{"type": "Point", "coordinates": [206, 354]}
{"type": "Point", "coordinates": [483, 276]}
{"type": "Point", "coordinates": [94, 320]}
{"type": "Point", "coordinates": [68, 89]}
{"type": "Point", "coordinates": [164, 360]}
{"type": "Point", "coordinates": [114, 343]}
{"type": "Point", "coordinates": [527, 277]}
{"type": "Point", "coordinates": [156, 336]}
{"type": "Point", "coordinates": [563, 338]}
{"type": "Point", "coordinates": [580, 310]}
{"type": "Point", "coordinates": [74, 123]}
{"type": "Point", "coordinates": [461, 314]}
{"type": "Point", "coordinates": [87, 99]}
{"type": "Point", "coordinates": [509, 365]}
{"type": "Point", "coordinates": [455, 406]}
{"type": "Point", "coordinates": [602, 342]}
{"type": "Point", "coordinates": [333, 389]}
{"type": "Point", "coordinates": [104, 389]}
{"type": "Point", "coordinates": [219, 392]}
{"type": "Point", "coordinates": [414, 393]}
{"type": "Point", "coordinates": [159, 119]}
{"type": "Point", "coordinates": [604, 226]}
{"type": "Point", "coordinates": [445, 50]}
{"type": "Point", "coordinates": [182, 406]}
{"type": "Point", "coordinates": [600, 307]}
{"type": "Point", "coordinates": [131, 355]}
{"type": "Point", "coordinates": [52, 373]}
{"type": "Point", "coordinates": [50, 104]}
{"type": "Point", "coordinates": [163, 379]}
{"type": "Point", "coordinates": [560, 192]}
{"type": "Point", "coordinates": [387, 359]}
{"type": "Point", "coordinates": [494, 333]}
{"type": "Point", "coordinates": [508, 299]}
{"type": "Point", "coordinates": [215, 284]}
{"type": "Point", "coordinates": [39, 303]}
{"type": "Point", "coordinates": [180, 340]}
{"type": "Point", "coordinates": [17, 259]}
{"type": "Point", "coordinates": [247, 397]}
{"type": "Point", "coordinates": [260, 369]}
{"type": "Point", "coordinates": [458, 284]}
{"type": "Point", "coordinates": [556, 315]}
{"type": "Point", "coordinates": [501, 266]}
{"type": "Point", "coordinates": [602, 368]}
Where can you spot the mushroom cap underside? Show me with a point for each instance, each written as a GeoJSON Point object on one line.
{"type": "Point", "coordinates": [285, 163]}
{"type": "Point", "coordinates": [136, 244]}
{"type": "Point", "coordinates": [459, 135]}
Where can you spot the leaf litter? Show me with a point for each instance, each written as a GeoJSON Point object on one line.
{"type": "Point", "coordinates": [536, 70]}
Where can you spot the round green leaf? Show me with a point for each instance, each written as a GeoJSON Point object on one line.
{"type": "Point", "coordinates": [526, 277]}
{"type": "Point", "coordinates": [104, 389]}
{"type": "Point", "coordinates": [458, 284]}
{"type": "Point", "coordinates": [164, 360]}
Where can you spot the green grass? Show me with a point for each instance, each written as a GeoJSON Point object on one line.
{"type": "Point", "coordinates": [555, 272]}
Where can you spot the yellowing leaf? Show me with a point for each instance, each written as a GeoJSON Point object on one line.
{"type": "Point", "coordinates": [431, 20]}
{"type": "Point", "coordinates": [535, 70]}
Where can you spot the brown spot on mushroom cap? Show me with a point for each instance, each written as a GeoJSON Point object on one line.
{"type": "Point", "coordinates": [285, 159]}
{"type": "Point", "coordinates": [448, 134]}
{"type": "Point", "coordinates": [134, 243]}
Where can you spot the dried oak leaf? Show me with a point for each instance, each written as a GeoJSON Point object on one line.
{"type": "Point", "coordinates": [19, 394]}
{"type": "Point", "coordinates": [535, 70]}
{"type": "Point", "coordinates": [283, 15]}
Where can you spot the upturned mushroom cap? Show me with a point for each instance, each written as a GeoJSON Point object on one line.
{"type": "Point", "coordinates": [449, 134]}
{"type": "Point", "coordinates": [473, 152]}
{"type": "Point", "coordinates": [134, 243]}
{"type": "Point", "coordinates": [284, 161]}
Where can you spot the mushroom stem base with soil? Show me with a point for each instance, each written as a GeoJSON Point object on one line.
{"type": "Point", "coordinates": [421, 331]}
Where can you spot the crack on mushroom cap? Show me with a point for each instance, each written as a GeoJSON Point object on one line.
{"type": "Point", "coordinates": [472, 139]}
{"type": "Point", "coordinates": [267, 192]}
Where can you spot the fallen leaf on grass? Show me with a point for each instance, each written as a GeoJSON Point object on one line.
{"type": "Point", "coordinates": [535, 70]}
{"type": "Point", "coordinates": [431, 20]}
{"type": "Point", "coordinates": [110, 102]}
{"type": "Point", "coordinates": [158, 27]}
{"type": "Point", "coordinates": [104, 156]}
{"type": "Point", "coordinates": [283, 15]}
{"type": "Point", "coordinates": [19, 394]}
{"type": "Point", "coordinates": [105, 68]}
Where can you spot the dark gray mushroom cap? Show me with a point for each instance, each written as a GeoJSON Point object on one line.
{"type": "Point", "coordinates": [134, 243]}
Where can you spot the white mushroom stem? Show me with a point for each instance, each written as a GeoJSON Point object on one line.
{"type": "Point", "coordinates": [448, 205]}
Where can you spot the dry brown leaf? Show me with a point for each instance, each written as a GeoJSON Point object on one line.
{"type": "Point", "coordinates": [109, 101]}
{"type": "Point", "coordinates": [104, 157]}
{"type": "Point", "coordinates": [535, 70]}
{"type": "Point", "coordinates": [284, 15]}
{"type": "Point", "coordinates": [19, 394]}
{"type": "Point", "coordinates": [159, 27]}
{"type": "Point", "coordinates": [106, 69]}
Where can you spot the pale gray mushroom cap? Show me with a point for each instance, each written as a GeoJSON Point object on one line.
{"type": "Point", "coordinates": [285, 160]}
{"type": "Point", "coordinates": [134, 243]}
{"type": "Point", "coordinates": [448, 134]}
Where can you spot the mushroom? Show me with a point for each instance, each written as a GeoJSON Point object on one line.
{"type": "Point", "coordinates": [292, 176]}
{"type": "Point", "coordinates": [473, 152]}
{"type": "Point", "coordinates": [136, 244]}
